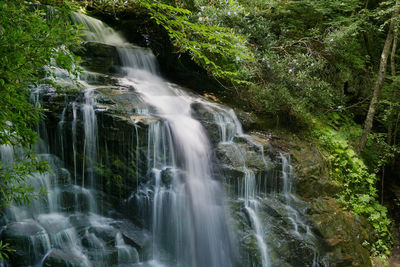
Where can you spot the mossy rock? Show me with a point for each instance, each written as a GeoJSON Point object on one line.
{"type": "Point", "coordinates": [343, 232]}
{"type": "Point", "coordinates": [98, 57]}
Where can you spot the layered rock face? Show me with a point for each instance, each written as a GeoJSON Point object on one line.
{"type": "Point", "coordinates": [105, 144]}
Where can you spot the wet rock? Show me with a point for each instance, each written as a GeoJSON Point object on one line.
{"type": "Point", "coordinates": [120, 102]}
{"type": "Point", "coordinates": [301, 253]}
{"type": "Point", "coordinates": [53, 161]}
{"type": "Point", "coordinates": [201, 112]}
{"type": "Point", "coordinates": [106, 233]}
{"type": "Point", "coordinates": [55, 224]}
{"type": "Point", "coordinates": [99, 57]}
{"type": "Point", "coordinates": [122, 140]}
{"type": "Point", "coordinates": [75, 198]}
{"type": "Point", "coordinates": [91, 241]}
{"type": "Point", "coordinates": [99, 79]}
{"type": "Point", "coordinates": [133, 235]}
{"type": "Point", "coordinates": [240, 139]}
{"type": "Point", "coordinates": [286, 228]}
{"type": "Point", "coordinates": [233, 175]}
{"type": "Point", "coordinates": [59, 258]}
{"type": "Point", "coordinates": [248, 120]}
{"type": "Point", "coordinates": [103, 257]}
{"type": "Point", "coordinates": [230, 154]}
{"type": "Point", "coordinates": [63, 176]}
{"type": "Point", "coordinates": [167, 176]}
{"type": "Point", "coordinates": [205, 115]}
{"type": "Point", "coordinates": [312, 173]}
{"type": "Point", "coordinates": [343, 232]}
{"type": "Point", "coordinates": [29, 240]}
{"type": "Point", "coordinates": [239, 155]}
{"type": "Point", "coordinates": [249, 250]}
{"type": "Point", "coordinates": [22, 229]}
{"type": "Point", "coordinates": [79, 220]}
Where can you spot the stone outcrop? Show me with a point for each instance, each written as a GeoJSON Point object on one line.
{"type": "Point", "coordinates": [343, 233]}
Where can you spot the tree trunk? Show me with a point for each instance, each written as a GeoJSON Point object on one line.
{"type": "Point", "coordinates": [392, 112]}
{"type": "Point", "coordinates": [394, 138]}
{"type": "Point", "coordinates": [393, 72]}
{"type": "Point", "coordinates": [377, 88]}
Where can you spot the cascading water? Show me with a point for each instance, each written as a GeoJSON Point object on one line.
{"type": "Point", "coordinates": [188, 215]}
{"type": "Point", "coordinates": [180, 194]}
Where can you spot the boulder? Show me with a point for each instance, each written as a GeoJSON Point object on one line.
{"type": "Point", "coordinates": [79, 220]}
{"type": "Point", "coordinates": [59, 258]}
{"type": "Point", "coordinates": [133, 235]}
{"type": "Point", "coordinates": [205, 115]}
{"type": "Point", "coordinates": [106, 233]}
{"type": "Point", "coordinates": [74, 198]}
{"type": "Point", "coordinates": [344, 233]}
{"type": "Point", "coordinates": [29, 240]}
{"type": "Point", "coordinates": [99, 57]}
{"type": "Point", "coordinates": [248, 120]}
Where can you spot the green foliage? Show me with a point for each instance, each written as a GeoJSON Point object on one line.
{"type": "Point", "coordinates": [29, 40]}
{"type": "Point", "coordinates": [5, 250]}
{"type": "Point", "coordinates": [359, 194]}
{"type": "Point", "coordinates": [305, 51]}
{"type": "Point", "coordinates": [217, 49]}
{"type": "Point", "coordinates": [378, 153]}
{"type": "Point", "coordinates": [31, 37]}
{"type": "Point", "coordinates": [14, 188]}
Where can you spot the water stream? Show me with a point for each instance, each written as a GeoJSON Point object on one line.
{"type": "Point", "coordinates": [184, 202]}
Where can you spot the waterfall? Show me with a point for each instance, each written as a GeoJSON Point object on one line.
{"type": "Point", "coordinates": [191, 205]}
{"type": "Point", "coordinates": [186, 205]}
{"type": "Point", "coordinates": [189, 210]}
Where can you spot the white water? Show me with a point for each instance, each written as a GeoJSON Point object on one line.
{"type": "Point", "coordinates": [90, 147]}
{"type": "Point", "coordinates": [252, 206]}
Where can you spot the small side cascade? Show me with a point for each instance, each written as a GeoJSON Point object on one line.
{"type": "Point", "coordinates": [300, 226]}
{"type": "Point", "coordinates": [268, 183]}
{"type": "Point", "coordinates": [60, 133]}
{"type": "Point", "coordinates": [252, 206]}
{"type": "Point", "coordinates": [288, 196]}
{"type": "Point", "coordinates": [64, 225]}
{"type": "Point", "coordinates": [74, 122]}
{"type": "Point", "coordinates": [90, 129]}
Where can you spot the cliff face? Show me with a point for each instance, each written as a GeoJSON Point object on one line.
{"type": "Point", "coordinates": [342, 234]}
{"type": "Point", "coordinates": [346, 237]}
{"type": "Point", "coordinates": [281, 202]}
